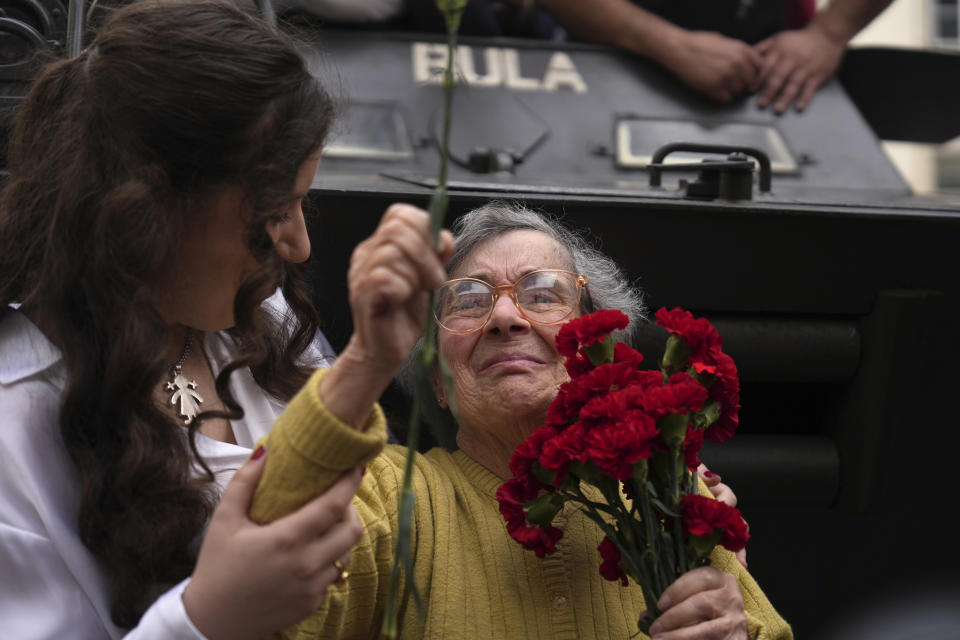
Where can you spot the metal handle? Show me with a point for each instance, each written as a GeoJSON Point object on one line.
{"type": "Point", "coordinates": [75, 19]}
{"type": "Point", "coordinates": [656, 163]}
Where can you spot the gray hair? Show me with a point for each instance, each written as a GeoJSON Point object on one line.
{"type": "Point", "coordinates": [607, 283]}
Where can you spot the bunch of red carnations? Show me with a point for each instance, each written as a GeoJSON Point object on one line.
{"type": "Point", "coordinates": [635, 436]}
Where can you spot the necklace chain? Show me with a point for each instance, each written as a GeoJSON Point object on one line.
{"type": "Point", "coordinates": [186, 351]}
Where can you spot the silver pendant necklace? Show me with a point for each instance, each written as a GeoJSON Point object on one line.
{"type": "Point", "coordinates": [184, 391]}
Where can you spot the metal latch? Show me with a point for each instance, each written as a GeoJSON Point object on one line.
{"type": "Point", "coordinates": [730, 179]}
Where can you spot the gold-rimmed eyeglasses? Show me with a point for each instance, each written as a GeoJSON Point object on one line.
{"type": "Point", "coordinates": [544, 296]}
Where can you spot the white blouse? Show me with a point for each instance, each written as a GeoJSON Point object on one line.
{"type": "Point", "coordinates": [50, 584]}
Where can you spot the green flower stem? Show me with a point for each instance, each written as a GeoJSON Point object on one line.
{"type": "Point", "coordinates": [677, 537]}
{"type": "Point", "coordinates": [437, 209]}
{"type": "Point", "coordinates": [658, 572]}
{"type": "Point", "coordinates": [633, 567]}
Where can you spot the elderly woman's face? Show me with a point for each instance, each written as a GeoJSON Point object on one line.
{"type": "Point", "coordinates": [510, 368]}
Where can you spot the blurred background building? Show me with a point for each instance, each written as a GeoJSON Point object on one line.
{"type": "Point", "coordinates": [930, 24]}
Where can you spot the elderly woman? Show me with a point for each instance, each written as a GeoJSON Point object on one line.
{"type": "Point", "coordinates": [476, 582]}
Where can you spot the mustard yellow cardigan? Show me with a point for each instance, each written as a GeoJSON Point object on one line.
{"type": "Point", "coordinates": [476, 582]}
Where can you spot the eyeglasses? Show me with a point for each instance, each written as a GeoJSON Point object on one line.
{"type": "Point", "coordinates": [545, 296]}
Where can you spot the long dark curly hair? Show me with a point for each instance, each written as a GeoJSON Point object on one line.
{"type": "Point", "coordinates": [113, 155]}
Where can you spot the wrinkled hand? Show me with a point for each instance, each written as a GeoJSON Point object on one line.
{"type": "Point", "coordinates": [715, 65]}
{"type": "Point", "coordinates": [795, 64]}
{"type": "Point", "coordinates": [391, 275]}
{"type": "Point", "coordinates": [724, 494]}
{"type": "Point", "coordinates": [703, 604]}
{"type": "Point", "coordinates": [253, 580]}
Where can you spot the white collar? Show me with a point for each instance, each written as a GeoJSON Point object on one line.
{"type": "Point", "coordinates": [24, 350]}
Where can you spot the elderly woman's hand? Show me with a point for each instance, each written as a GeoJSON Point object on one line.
{"type": "Point", "coordinates": [390, 277]}
{"type": "Point", "coordinates": [703, 604]}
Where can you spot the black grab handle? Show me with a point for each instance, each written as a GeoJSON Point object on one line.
{"type": "Point", "coordinates": [656, 164]}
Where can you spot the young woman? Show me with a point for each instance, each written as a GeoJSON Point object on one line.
{"type": "Point", "coordinates": [152, 213]}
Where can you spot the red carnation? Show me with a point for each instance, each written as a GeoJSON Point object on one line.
{"type": "Point", "coordinates": [557, 415]}
{"type": "Point", "coordinates": [512, 496]}
{"type": "Point", "coordinates": [708, 359]}
{"type": "Point", "coordinates": [528, 452]}
{"type": "Point", "coordinates": [540, 540]}
{"type": "Point", "coordinates": [610, 567]}
{"type": "Point", "coordinates": [703, 516]}
{"type": "Point", "coordinates": [607, 377]}
{"type": "Point", "coordinates": [624, 353]}
{"type": "Point", "coordinates": [577, 365]}
{"type": "Point", "coordinates": [573, 394]}
{"type": "Point", "coordinates": [616, 446]}
{"type": "Point", "coordinates": [586, 330]}
{"type": "Point", "coordinates": [681, 394]}
{"type": "Point", "coordinates": [692, 445]}
{"type": "Point", "coordinates": [725, 389]}
{"type": "Point", "coordinates": [608, 407]}
{"type": "Point", "coordinates": [561, 450]}
{"type": "Point", "coordinates": [698, 333]}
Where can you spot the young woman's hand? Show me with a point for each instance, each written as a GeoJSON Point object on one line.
{"type": "Point", "coordinates": [253, 580]}
{"type": "Point", "coordinates": [724, 494]}
{"type": "Point", "coordinates": [720, 491]}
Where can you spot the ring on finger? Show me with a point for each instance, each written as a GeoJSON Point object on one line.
{"type": "Point", "coordinates": [344, 574]}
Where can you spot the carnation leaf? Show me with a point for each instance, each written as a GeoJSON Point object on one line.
{"type": "Point", "coordinates": [541, 510]}
{"type": "Point", "coordinates": [589, 472]}
{"type": "Point", "coordinates": [664, 508]}
{"type": "Point", "coordinates": [709, 414]}
{"type": "Point", "coordinates": [545, 476]}
{"type": "Point", "coordinates": [600, 352]}
{"type": "Point", "coordinates": [652, 489]}
{"type": "Point", "coordinates": [570, 483]}
{"type": "Point", "coordinates": [675, 355]}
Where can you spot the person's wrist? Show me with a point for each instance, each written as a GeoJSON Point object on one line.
{"type": "Point", "coordinates": [354, 383]}
{"type": "Point", "coordinates": [834, 27]}
{"type": "Point", "coordinates": [651, 37]}
{"type": "Point", "coordinates": [670, 47]}
{"type": "Point", "coordinates": [196, 612]}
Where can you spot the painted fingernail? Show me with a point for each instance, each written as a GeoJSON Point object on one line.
{"type": "Point", "coordinates": [258, 452]}
{"type": "Point", "coordinates": [710, 474]}
{"type": "Point", "coordinates": [363, 471]}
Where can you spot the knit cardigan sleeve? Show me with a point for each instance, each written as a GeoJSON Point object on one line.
{"type": "Point", "coordinates": [308, 449]}
{"type": "Point", "coordinates": [763, 621]}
